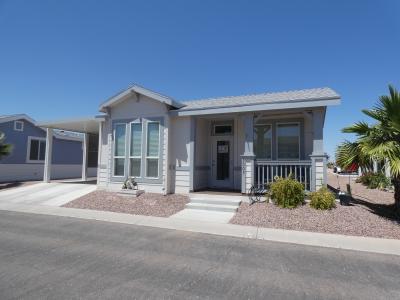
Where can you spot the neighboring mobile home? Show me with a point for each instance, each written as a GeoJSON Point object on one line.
{"type": "Point", "coordinates": [26, 162]}
{"type": "Point", "coordinates": [227, 143]}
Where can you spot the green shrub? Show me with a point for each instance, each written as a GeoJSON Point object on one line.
{"type": "Point", "coordinates": [374, 180]}
{"type": "Point", "coordinates": [322, 199]}
{"type": "Point", "coordinates": [287, 192]}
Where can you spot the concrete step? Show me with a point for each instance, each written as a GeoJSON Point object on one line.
{"type": "Point", "coordinates": [217, 201]}
{"type": "Point", "coordinates": [212, 207]}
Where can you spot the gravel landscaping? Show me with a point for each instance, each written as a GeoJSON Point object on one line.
{"type": "Point", "coordinates": [349, 220]}
{"type": "Point", "coordinates": [148, 204]}
{"type": "Point", "coordinates": [370, 214]}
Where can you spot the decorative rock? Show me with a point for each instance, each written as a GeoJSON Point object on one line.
{"type": "Point", "coordinates": [129, 192]}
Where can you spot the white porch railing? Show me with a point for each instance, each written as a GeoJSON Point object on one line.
{"type": "Point", "coordinates": [266, 170]}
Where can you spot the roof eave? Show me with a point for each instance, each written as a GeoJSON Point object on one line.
{"type": "Point", "coordinates": [140, 90]}
{"type": "Point", "coordinates": [259, 107]}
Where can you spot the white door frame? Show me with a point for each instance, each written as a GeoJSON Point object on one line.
{"type": "Point", "coordinates": [213, 182]}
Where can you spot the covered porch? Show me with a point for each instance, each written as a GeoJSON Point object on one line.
{"type": "Point", "coordinates": [232, 152]}
{"type": "Point", "coordinates": [89, 129]}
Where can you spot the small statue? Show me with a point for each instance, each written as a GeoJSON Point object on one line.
{"type": "Point", "coordinates": [130, 184]}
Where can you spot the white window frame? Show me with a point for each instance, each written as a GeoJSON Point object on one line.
{"type": "Point", "coordinates": [277, 136]}
{"type": "Point", "coordinates": [272, 139]}
{"type": "Point", "coordinates": [21, 123]}
{"type": "Point", "coordinates": [159, 152]}
{"type": "Point", "coordinates": [141, 149]}
{"type": "Point", "coordinates": [28, 152]}
{"type": "Point", "coordinates": [114, 145]}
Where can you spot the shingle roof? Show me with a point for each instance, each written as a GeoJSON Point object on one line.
{"type": "Point", "coordinates": [264, 98]}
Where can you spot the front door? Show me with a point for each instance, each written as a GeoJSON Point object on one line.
{"type": "Point", "coordinates": [222, 162]}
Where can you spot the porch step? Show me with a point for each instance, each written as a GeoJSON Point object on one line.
{"type": "Point", "coordinates": [218, 201]}
{"type": "Point", "coordinates": [212, 207]}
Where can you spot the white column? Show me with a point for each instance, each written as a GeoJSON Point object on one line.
{"type": "Point", "coordinates": [248, 155]}
{"type": "Point", "coordinates": [166, 155]}
{"type": "Point", "coordinates": [85, 145]}
{"type": "Point", "coordinates": [375, 166]}
{"type": "Point", "coordinates": [99, 151]}
{"type": "Point", "coordinates": [192, 145]}
{"type": "Point", "coordinates": [48, 155]}
{"type": "Point", "coordinates": [387, 169]}
{"type": "Point", "coordinates": [318, 156]}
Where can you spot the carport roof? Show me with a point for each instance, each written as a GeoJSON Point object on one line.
{"type": "Point", "coordinates": [84, 125]}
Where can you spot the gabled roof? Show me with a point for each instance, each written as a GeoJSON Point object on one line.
{"type": "Point", "coordinates": [61, 134]}
{"type": "Point", "coordinates": [121, 96]}
{"type": "Point", "coordinates": [264, 98]}
{"type": "Point", "coordinates": [8, 118]}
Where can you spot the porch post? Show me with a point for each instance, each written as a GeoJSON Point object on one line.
{"type": "Point", "coordinates": [85, 145]}
{"type": "Point", "coordinates": [375, 166]}
{"type": "Point", "coordinates": [318, 156]}
{"type": "Point", "coordinates": [167, 159]}
{"type": "Point", "coordinates": [99, 150]}
{"type": "Point", "coordinates": [48, 155]}
{"type": "Point", "coordinates": [248, 155]}
{"type": "Point", "coordinates": [387, 169]}
{"type": "Point", "coordinates": [192, 145]}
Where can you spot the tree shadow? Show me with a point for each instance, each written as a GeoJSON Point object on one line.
{"type": "Point", "coordinates": [8, 185]}
{"type": "Point", "coordinates": [386, 211]}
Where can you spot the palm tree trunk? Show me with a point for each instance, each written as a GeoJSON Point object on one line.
{"type": "Point", "coordinates": [396, 183]}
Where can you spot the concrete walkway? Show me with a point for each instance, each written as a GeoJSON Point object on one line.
{"type": "Point", "coordinates": [53, 194]}
{"type": "Point", "coordinates": [384, 246]}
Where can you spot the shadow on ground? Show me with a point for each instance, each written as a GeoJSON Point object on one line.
{"type": "Point", "coordinates": [386, 211]}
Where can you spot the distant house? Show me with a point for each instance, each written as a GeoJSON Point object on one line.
{"type": "Point", "coordinates": [26, 161]}
{"type": "Point", "coordinates": [226, 143]}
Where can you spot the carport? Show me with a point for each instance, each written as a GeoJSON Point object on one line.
{"type": "Point", "coordinates": [86, 126]}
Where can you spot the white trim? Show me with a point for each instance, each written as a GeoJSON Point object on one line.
{"type": "Point", "coordinates": [113, 151]}
{"type": "Point", "coordinates": [277, 144]}
{"type": "Point", "coordinates": [272, 136]}
{"type": "Point", "coordinates": [140, 90]}
{"type": "Point", "coordinates": [28, 152]}
{"type": "Point", "coordinates": [222, 124]}
{"type": "Point", "coordinates": [159, 148]}
{"type": "Point", "coordinates": [130, 145]}
{"type": "Point", "coordinates": [17, 117]}
{"type": "Point", "coordinates": [256, 107]}
{"type": "Point", "coordinates": [18, 122]}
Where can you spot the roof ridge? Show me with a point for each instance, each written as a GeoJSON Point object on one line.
{"type": "Point", "coordinates": [253, 94]}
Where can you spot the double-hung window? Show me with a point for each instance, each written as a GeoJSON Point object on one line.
{"type": "Point", "coordinates": [263, 141]}
{"type": "Point", "coordinates": [288, 141]}
{"type": "Point", "coordinates": [153, 149]}
{"type": "Point", "coordinates": [135, 154]}
{"type": "Point", "coordinates": [119, 149]}
{"type": "Point", "coordinates": [36, 149]}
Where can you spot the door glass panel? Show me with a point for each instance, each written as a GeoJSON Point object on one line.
{"type": "Point", "coordinates": [222, 160]}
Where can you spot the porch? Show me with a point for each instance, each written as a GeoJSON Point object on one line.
{"type": "Point", "coordinates": [237, 151]}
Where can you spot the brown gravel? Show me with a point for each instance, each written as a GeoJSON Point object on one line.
{"type": "Point", "coordinates": [360, 191]}
{"type": "Point", "coordinates": [148, 204]}
{"type": "Point", "coordinates": [370, 214]}
{"type": "Point", "coordinates": [349, 220]}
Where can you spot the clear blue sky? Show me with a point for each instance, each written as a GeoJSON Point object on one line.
{"type": "Point", "coordinates": [60, 59]}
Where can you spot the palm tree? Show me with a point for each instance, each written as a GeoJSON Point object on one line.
{"type": "Point", "coordinates": [380, 141]}
{"type": "Point", "coordinates": [5, 149]}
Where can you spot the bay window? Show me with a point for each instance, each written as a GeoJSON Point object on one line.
{"type": "Point", "coordinates": [263, 141]}
{"type": "Point", "coordinates": [288, 141]}
{"type": "Point", "coordinates": [119, 149]}
{"type": "Point", "coordinates": [153, 149]}
{"type": "Point", "coordinates": [135, 156]}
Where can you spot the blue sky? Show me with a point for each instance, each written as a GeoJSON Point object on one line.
{"type": "Point", "coordinates": [60, 59]}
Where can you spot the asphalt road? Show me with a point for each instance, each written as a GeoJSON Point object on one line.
{"type": "Point", "coordinates": [47, 257]}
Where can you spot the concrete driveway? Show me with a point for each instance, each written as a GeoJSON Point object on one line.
{"type": "Point", "coordinates": [48, 257]}
{"type": "Point", "coordinates": [53, 194]}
